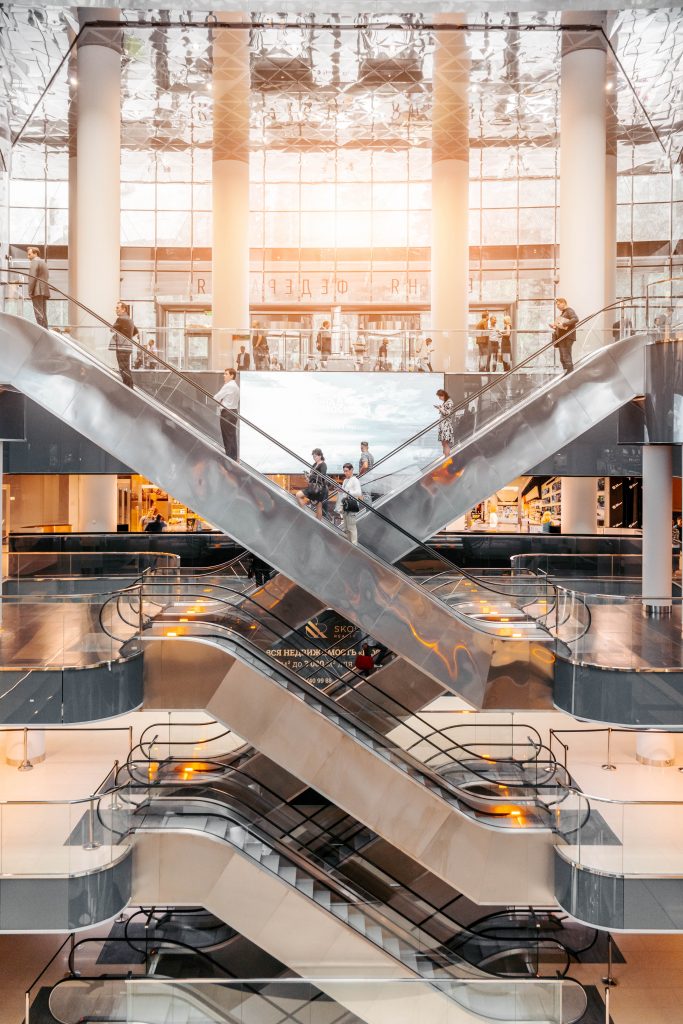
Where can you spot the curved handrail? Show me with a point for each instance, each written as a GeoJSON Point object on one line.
{"type": "Point", "coordinates": [439, 955]}
{"type": "Point", "coordinates": [378, 703]}
{"type": "Point", "coordinates": [498, 378]}
{"type": "Point", "coordinates": [279, 806]}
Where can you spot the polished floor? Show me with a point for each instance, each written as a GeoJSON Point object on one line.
{"type": "Point", "coordinates": [622, 636]}
{"type": "Point", "coordinates": [53, 634]}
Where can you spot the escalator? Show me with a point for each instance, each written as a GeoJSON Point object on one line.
{"type": "Point", "coordinates": [277, 710]}
{"type": "Point", "coordinates": [69, 375]}
{"type": "Point", "coordinates": [244, 842]}
{"type": "Point", "coordinates": [513, 423]}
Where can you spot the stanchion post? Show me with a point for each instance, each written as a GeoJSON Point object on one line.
{"type": "Point", "coordinates": [609, 978]}
{"type": "Point", "coordinates": [607, 1013]}
{"type": "Point", "coordinates": [25, 765]}
{"type": "Point", "coordinates": [608, 766]}
{"type": "Point", "coordinates": [92, 843]}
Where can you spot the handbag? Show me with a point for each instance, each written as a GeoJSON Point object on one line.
{"type": "Point", "coordinates": [349, 504]}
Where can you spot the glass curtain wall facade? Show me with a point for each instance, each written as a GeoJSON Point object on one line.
{"type": "Point", "coordinates": [340, 169]}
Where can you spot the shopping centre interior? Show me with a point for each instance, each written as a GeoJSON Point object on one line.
{"type": "Point", "coordinates": [341, 624]}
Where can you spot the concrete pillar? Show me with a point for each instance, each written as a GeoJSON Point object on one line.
{"type": "Point", "coordinates": [579, 504]}
{"type": "Point", "coordinates": [230, 244]}
{"type": "Point", "coordinates": [583, 145]}
{"type": "Point", "coordinates": [657, 749]}
{"type": "Point", "coordinates": [450, 196]}
{"type": "Point", "coordinates": [72, 285]}
{"type": "Point", "coordinates": [612, 124]}
{"type": "Point", "coordinates": [98, 161]}
{"type": "Point", "coordinates": [657, 513]}
{"type": "Point", "coordinates": [97, 496]}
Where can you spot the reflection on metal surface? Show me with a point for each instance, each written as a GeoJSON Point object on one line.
{"type": "Point", "coordinates": [511, 441]}
{"type": "Point", "coordinates": [188, 462]}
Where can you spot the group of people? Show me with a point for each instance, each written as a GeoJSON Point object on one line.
{"type": "Point", "coordinates": [344, 501]}
{"type": "Point", "coordinates": [494, 342]}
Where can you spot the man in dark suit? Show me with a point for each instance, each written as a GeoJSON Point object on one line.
{"type": "Point", "coordinates": [125, 331]}
{"type": "Point", "coordinates": [243, 359]}
{"type": "Point", "coordinates": [38, 287]}
{"type": "Point", "coordinates": [564, 333]}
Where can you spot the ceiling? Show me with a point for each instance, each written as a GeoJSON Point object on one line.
{"type": "Point", "coordinates": [355, 81]}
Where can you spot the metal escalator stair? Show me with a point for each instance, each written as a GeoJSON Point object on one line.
{"type": "Point", "coordinates": [511, 442]}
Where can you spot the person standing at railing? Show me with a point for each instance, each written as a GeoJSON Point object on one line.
{"type": "Point", "coordinates": [261, 350]}
{"type": "Point", "coordinates": [506, 344]}
{"type": "Point", "coordinates": [564, 333]}
{"type": "Point", "coordinates": [482, 340]}
{"type": "Point", "coordinates": [38, 285]}
{"type": "Point", "coordinates": [424, 357]}
{"type": "Point", "coordinates": [243, 359]}
{"type": "Point", "coordinates": [495, 342]}
{"type": "Point", "coordinates": [323, 342]}
{"type": "Point", "coordinates": [445, 410]}
{"type": "Point", "coordinates": [383, 355]}
{"type": "Point", "coordinates": [229, 398]}
{"type": "Point", "coordinates": [124, 332]}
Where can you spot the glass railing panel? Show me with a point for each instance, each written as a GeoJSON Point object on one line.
{"type": "Point", "coordinates": [613, 630]}
{"type": "Point", "coordinates": [76, 837]}
{"type": "Point", "coordinates": [308, 1002]}
{"type": "Point", "coordinates": [630, 838]}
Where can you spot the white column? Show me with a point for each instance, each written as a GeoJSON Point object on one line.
{"type": "Point", "coordinates": [657, 749]}
{"type": "Point", "coordinates": [579, 504]}
{"type": "Point", "coordinates": [450, 265]}
{"type": "Point", "coordinates": [98, 159]}
{"type": "Point", "coordinates": [72, 285]}
{"type": "Point", "coordinates": [230, 243]}
{"type": "Point", "coordinates": [611, 191]}
{"type": "Point", "coordinates": [97, 496]}
{"type": "Point", "coordinates": [657, 512]}
{"type": "Point", "coordinates": [583, 141]}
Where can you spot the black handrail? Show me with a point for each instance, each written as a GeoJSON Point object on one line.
{"type": "Point", "coordinates": [377, 705]}
{"type": "Point", "coordinates": [441, 956]}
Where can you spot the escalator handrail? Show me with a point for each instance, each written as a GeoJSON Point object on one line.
{"type": "Point", "coordinates": [414, 541]}
{"type": "Point", "coordinates": [323, 698]}
{"type": "Point", "coordinates": [462, 932]}
{"type": "Point", "coordinates": [451, 790]}
{"type": "Point", "coordinates": [277, 802]}
{"type": "Point", "coordinates": [498, 378]}
{"type": "Point", "coordinates": [440, 956]}
{"type": "Point", "coordinates": [76, 976]}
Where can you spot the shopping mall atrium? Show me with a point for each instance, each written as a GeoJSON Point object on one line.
{"type": "Point", "coordinates": [341, 404]}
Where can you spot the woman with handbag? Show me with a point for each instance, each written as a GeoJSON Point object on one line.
{"type": "Point", "coordinates": [445, 409]}
{"type": "Point", "coordinates": [349, 502]}
{"type": "Point", "coordinates": [315, 491]}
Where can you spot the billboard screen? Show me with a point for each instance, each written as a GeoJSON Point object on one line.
{"type": "Point", "coordinates": [335, 412]}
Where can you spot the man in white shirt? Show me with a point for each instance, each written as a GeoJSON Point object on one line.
{"type": "Point", "coordinates": [229, 399]}
{"type": "Point", "coordinates": [352, 489]}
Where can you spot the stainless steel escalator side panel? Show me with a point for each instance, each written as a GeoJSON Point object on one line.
{"type": "Point", "coordinates": [54, 372]}
{"type": "Point", "coordinates": [548, 419]}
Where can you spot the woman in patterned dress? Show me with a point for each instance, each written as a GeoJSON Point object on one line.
{"type": "Point", "coordinates": [445, 409]}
